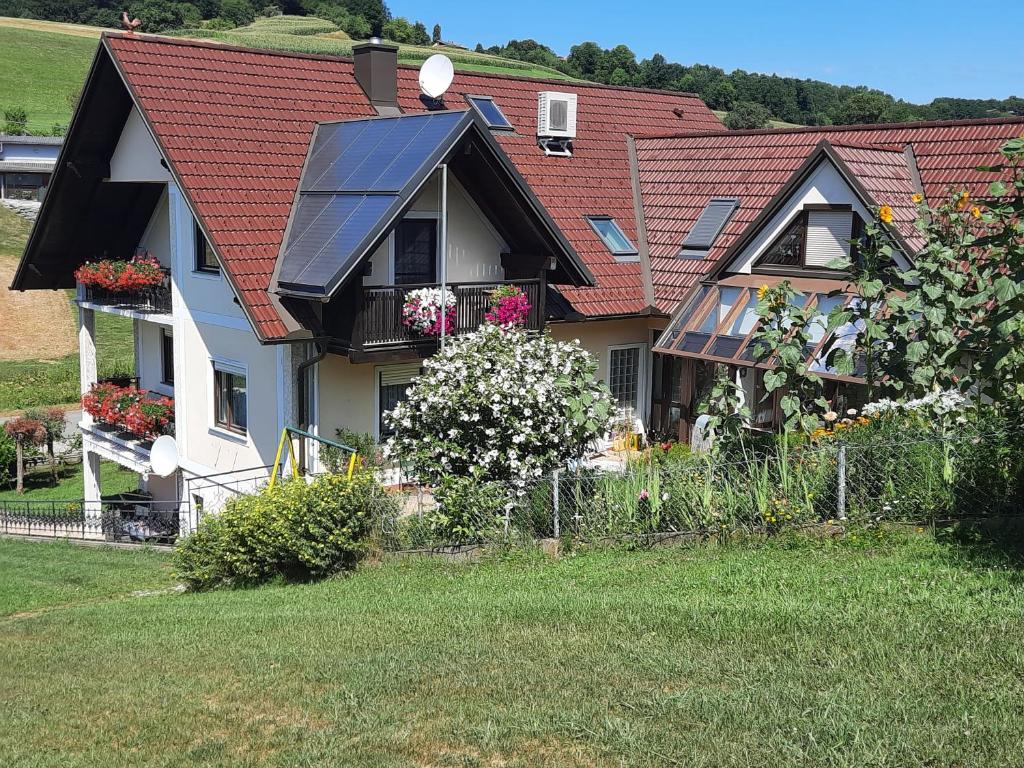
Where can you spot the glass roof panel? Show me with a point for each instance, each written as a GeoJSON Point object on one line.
{"type": "Point", "coordinates": [745, 321]}
{"type": "Point", "coordinates": [669, 336]}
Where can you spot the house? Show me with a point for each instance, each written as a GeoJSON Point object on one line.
{"type": "Point", "coordinates": [293, 201]}
{"type": "Point", "coordinates": [26, 163]}
{"type": "Point", "coordinates": [724, 213]}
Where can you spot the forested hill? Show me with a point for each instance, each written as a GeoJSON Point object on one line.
{"type": "Point", "coordinates": [750, 98]}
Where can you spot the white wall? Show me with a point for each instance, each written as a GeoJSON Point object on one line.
{"type": "Point", "coordinates": [209, 326]}
{"type": "Point", "coordinates": [824, 185]}
{"type": "Point", "coordinates": [597, 335]}
{"type": "Point", "coordinates": [474, 246]}
{"type": "Point", "coordinates": [149, 358]}
{"type": "Point", "coordinates": [137, 157]}
{"type": "Point", "coordinates": [157, 237]}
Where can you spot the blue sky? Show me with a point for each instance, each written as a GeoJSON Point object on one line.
{"type": "Point", "coordinates": [914, 49]}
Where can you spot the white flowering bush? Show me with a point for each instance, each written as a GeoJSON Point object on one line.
{"type": "Point", "coordinates": [500, 404]}
{"type": "Point", "coordinates": [939, 403]}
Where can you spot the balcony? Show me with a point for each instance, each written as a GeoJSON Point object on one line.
{"type": "Point", "coordinates": [144, 304]}
{"type": "Point", "coordinates": [378, 322]}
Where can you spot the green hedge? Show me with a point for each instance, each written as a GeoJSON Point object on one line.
{"type": "Point", "coordinates": [295, 532]}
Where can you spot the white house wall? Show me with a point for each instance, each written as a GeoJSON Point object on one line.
{"type": "Point", "coordinates": [157, 237]}
{"type": "Point", "coordinates": [137, 157]}
{"type": "Point", "coordinates": [474, 247]}
{"type": "Point", "coordinates": [824, 185]}
{"type": "Point", "coordinates": [149, 358]}
{"type": "Point", "coordinates": [210, 327]}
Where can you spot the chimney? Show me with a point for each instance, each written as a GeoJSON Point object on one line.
{"type": "Point", "coordinates": [376, 70]}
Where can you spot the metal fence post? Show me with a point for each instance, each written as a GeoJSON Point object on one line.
{"type": "Point", "coordinates": [841, 490]}
{"type": "Point", "coordinates": [554, 502]}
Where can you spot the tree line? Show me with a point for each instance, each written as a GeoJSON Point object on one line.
{"type": "Point", "coordinates": [751, 99]}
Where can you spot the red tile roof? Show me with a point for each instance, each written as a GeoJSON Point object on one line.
{"type": "Point", "coordinates": [235, 125]}
{"type": "Point", "coordinates": [680, 173]}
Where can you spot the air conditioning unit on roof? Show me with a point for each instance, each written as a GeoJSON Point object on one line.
{"type": "Point", "coordinates": [556, 115]}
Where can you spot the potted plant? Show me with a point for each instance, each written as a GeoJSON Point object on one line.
{"type": "Point", "coordinates": [509, 307]}
{"type": "Point", "coordinates": [422, 311]}
{"type": "Point", "coordinates": [119, 276]}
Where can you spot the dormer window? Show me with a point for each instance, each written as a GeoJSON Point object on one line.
{"type": "Point", "coordinates": [491, 113]}
{"type": "Point", "coordinates": [615, 240]}
{"type": "Point", "coordinates": [819, 237]}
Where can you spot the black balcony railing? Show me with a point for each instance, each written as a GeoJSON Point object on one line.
{"type": "Point", "coordinates": [128, 518]}
{"type": "Point", "coordinates": [153, 300]}
{"type": "Point", "coordinates": [380, 317]}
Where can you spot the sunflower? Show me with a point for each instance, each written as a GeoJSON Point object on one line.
{"type": "Point", "coordinates": [975, 211]}
{"type": "Point", "coordinates": [761, 292]}
{"type": "Point", "coordinates": [885, 214]}
{"type": "Point", "coordinates": [917, 197]}
{"type": "Point", "coordinates": [962, 201]}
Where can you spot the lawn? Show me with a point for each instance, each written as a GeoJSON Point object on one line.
{"type": "Point", "coordinates": [37, 576]}
{"type": "Point", "coordinates": [54, 62]}
{"type": "Point", "coordinates": [889, 651]}
{"type": "Point", "coordinates": [113, 479]}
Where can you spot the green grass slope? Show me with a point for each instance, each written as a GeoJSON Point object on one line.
{"type": "Point", "coordinates": [898, 653]}
{"type": "Point", "coordinates": [42, 71]}
{"type": "Point", "coordinates": [47, 381]}
{"type": "Point", "coordinates": [43, 64]}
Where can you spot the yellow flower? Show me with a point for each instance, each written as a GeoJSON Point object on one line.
{"type": "Point", "coordinates": [885, 214]}
{"type": "Point", "coordinates": [761, 292]}
{"type": "Point", "coordinates": [961, 202]}
{"type": "Point", "coordinates": [917, 197]}
{"type": "Point", "coordinates": [975, 211]}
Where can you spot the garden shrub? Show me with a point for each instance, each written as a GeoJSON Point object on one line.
{"type": "Point", "coordinates": [366, 447]}
{"type": "Point", "coordinates": [297, 531]}
{"type": "Point", "coordinates": [8, 457]}
{"type": "Point", "coordinates": [500, 404]}
{"type": "Point", "coordinates": [467, 511]}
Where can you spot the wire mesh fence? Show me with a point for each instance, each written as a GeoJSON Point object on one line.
{"type": "Point", "coordinates": [924, 479]}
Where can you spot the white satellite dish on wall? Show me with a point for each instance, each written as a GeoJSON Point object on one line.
{"type": "Point", "coordinates": [163, 456]}
{"type": "Point", "coordinates": [436, 75]}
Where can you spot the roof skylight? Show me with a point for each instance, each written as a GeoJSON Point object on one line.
{"type": "Point", "coordinates": [490, 112]}
{"type": "Point", "coordinates": [615, 240]}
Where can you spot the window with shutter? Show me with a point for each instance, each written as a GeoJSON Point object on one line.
{"type": "Point", "coordinates": [828, 237]}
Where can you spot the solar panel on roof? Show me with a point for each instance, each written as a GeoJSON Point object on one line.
{"type": "Point", "coordinates": [375, 155]}
{"type": "Point", "coordinates": [490, 111]}
{"type": "Point", "coordinates": [325, 231]}
{"type": "Point", "coordinates": [357, 176]}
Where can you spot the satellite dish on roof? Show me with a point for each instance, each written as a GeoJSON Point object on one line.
{"type": "Point", "coordinates": [436, 75]}
{"type": "Point", "coordinates": [163, 456]}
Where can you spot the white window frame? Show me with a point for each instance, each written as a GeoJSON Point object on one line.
{"type": "Point", "coordinates": [193, 267]}
{"type": "Point", "coordinates": [377, 371]}
{"type": "Point", "coordinates": [239, 369]}
{"type": "Point", "coordinates": [642, 394]}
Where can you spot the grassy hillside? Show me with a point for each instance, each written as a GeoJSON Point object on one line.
{"type": "Point", "coordinates": [42, 68]}
{"type": "Point", "coordinates": [43, 64]}
{"type": "Point", "coordinates": [305, 34]}
{"type": "Point", "coordinates": [38, 345]}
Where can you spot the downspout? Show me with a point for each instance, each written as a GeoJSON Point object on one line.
{"type": "Point", "coordinates": [300, 376]}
